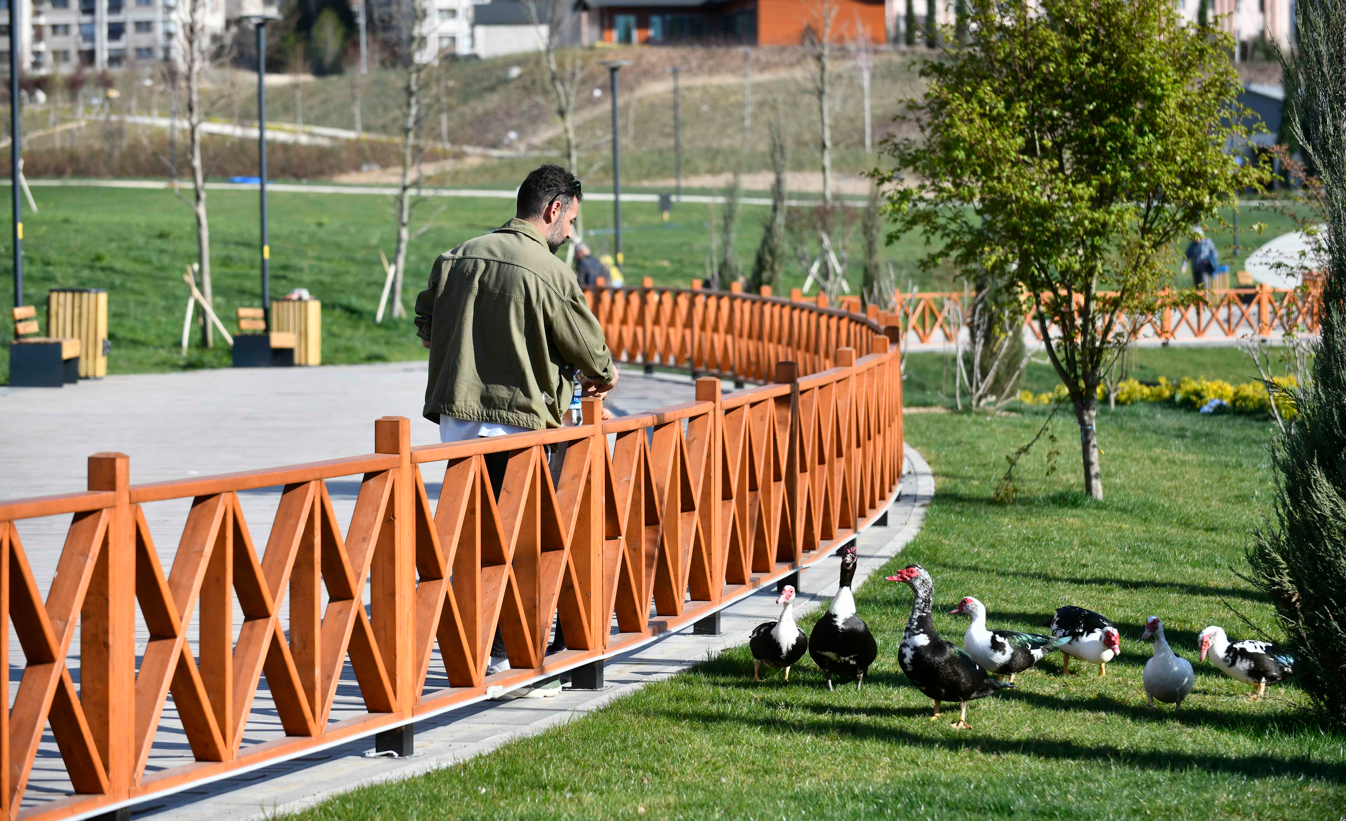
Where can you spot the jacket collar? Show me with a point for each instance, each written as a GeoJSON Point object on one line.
{"type": "Point", "coordinates": [526, 228]}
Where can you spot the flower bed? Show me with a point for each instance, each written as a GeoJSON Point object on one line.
{"type": "Point", "coordinates": [1246, 398]}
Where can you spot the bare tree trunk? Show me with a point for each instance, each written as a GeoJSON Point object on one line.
{"type": "Point", "coordinates": [747, 99]}
{"type": "Point", "coordinates": [196, 56]}
{"type": "Point", "coordinates": [821, 43]}
{"type": "Point", "coordinates": [409, 147]}
{"type": "Point", "coordinates": [565, 73]}
{"type": "Point", "coordinates": [1086, 413]}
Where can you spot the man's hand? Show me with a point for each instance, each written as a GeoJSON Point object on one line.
{"type": "Point", "coordinates": [425, 343]}
{"type": "Point", "coordinates": [588, 387]}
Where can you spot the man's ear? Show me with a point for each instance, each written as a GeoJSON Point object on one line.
{"type": "Point", "coordinates": [553, 212]}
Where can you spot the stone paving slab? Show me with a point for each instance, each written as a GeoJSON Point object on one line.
{"type": "Point", "coordinates": [474, 730]}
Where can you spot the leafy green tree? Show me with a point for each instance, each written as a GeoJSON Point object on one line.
{"type": "Point", "coordinates": [960, 22]}
{"type": "Point", "coordinates": [1062, 151]}
{"type": "Point", "coordinates": [1203, 14]}
{"type": "Point", "coordinates": [770, 260]}
{"type": "Point", "coordinates": [910, 33]}
{"type": "Point", "coordinates": [931, 24]}
{"type": "Point", "coordinates": [1299, 559]}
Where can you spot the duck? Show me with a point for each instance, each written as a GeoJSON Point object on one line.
{"type": "Point", "coordinates": [841, 644]}
{"type": "Point", "coordinates": [1003, 652]}
{"type": "Point", "coordinates": [778, 644]}
{"type": "Point", "coordinates": [1092, 637]}
{"type": "Point", "coordinates": [940, 669]}
{"type": "Point", "coordinates": [1252, 662]}
{"type": "Point", "coordinates": [1168, 676]}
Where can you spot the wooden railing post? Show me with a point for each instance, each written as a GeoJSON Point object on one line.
{"type": "Point", "coordinates": [788, 373]}
{"type": "Point", "coordinates": [1263, 309]}
{"type": "Point", "coordinates": [647, 324]}
{"type": "Point", "coordinates": [393, 579]}
{"type": "Point", "coordinates": [588, 553]}
{"type": "Point", "coordinates": [107, 630]}
{"type": "Point", "coordinates": [709, 389]}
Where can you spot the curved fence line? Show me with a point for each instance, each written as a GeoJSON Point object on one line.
{"type": "Point", "coordinates": [142, 677]}
{"type": "Point", "coordinates": [934, 318]}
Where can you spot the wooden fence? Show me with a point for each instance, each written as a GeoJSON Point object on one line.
{"type": "Point", "coordinates": [1225, 314]}
{"type": "Point", "coordinates": [657, 520]}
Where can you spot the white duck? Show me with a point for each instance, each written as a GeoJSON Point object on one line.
{"type": "Point", "coordinates": [1258, 663]}
{"type": "Point", "coordinates": [1168, 676]}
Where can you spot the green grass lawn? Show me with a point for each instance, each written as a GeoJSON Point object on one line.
{"type": "Point", "coordinates": [1183, 494]}
{"type": "Point", "coordinates": [137, 243]}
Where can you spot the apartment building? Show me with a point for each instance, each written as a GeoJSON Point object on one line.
{"type": "Point", "coordinates": [59, 35]}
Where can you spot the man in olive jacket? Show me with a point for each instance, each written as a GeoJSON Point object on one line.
{"type": "Point", "coordinates": [507, 326]}
{"type": "Point", "coordinates": [508, 330]}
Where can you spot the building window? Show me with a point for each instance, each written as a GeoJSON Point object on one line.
{"type": "Point", "coordinates": [60, 30]}
{"type": "Point", "coordinates": [656, 28]}
{"type": "Point", "coordinates": [86, 58]}
{"type": "Point", "coordinates": [144, 54]}
{"type": "Point", "coordinates": [624, 29]}
{"type": "Point", "coordinates": [144, 2]}
{"type": "Point", "coordinates": [86, 32]}
{"type": "Point", "coordinates": [4, 30]}
{"type": "Point", "coordinates": [448, 43]}
{"type": "Point", "coordinates": [37, 60]}
{"type": "Point", "coordinates": [116, 31]}
{"type": "Point", "coordinates": [61, 56]}
{"type": "Point", "coordinates": [448, 14]}
{"type": "Point", "coordinates": [86, 6]}
{"type": "Point", "coordinates": [144, 27]}
{"type": "Point", "coordinates": [60, 4]}
{"type": "Point", "coordinates": [116, 57]}
{"type": "Point", "coordinates": [115, 7]}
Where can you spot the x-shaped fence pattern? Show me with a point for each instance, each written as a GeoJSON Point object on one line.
{"type": "Point", "coordinates": [636, 526]}
{"type": "Point", "coordinates": [1224, 314]}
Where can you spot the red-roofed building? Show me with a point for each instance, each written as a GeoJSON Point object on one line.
{"type": "Point", "coordinates": [750, 22]}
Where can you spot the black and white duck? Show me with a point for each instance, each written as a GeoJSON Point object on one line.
{"type": "Point", "coordinates": [940, 669]}
{"type": "Point", "coordinates": [841, 644]}
{"type": "Point", "coordinates": [1003, 652]}
{"type": "Point", "coordinates": [1092, 637]}
{"type": "Point", "coordinates": [1258, 663]}
{"type": "Point", "coordinates": [1168, 677]}
{"type": "Point", "coordinates": [778, 644]}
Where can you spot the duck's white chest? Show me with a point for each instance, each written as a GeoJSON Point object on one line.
{"type": "Point", "coordinates": [1090, 648]}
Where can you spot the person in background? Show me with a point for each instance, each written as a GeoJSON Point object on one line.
{"type": "Point", "coordinates": [588, 268]}
{"type": "Point", "coordinates": [1203, 258]}
{"type": "Point", "coordinates": [509, 330]}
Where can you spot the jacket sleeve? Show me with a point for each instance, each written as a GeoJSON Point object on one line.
{"type": "Point", "coordinates": [425, 302]}
{"type": "Point", "coordinates": [579, 337]}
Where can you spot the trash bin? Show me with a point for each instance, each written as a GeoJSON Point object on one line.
{"type": "Point", "coordinates": [303, 318]}
{"type": "Point", "coordinates": [81, 313]}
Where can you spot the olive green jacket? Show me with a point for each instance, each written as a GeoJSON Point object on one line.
{"type": "Point", "coordinates": [508, 328]}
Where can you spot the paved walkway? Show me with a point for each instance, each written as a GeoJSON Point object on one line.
{"type": "Point", "coordinates": [178, 425]}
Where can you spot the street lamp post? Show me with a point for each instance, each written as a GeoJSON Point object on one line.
{"type": "Point", "coordinates": [14, 156]}
{"type": "Point", "coordinates": [677, 134]}
{"type": "Point", "coordinates": [259, 18]}
{"type": "Point", "coordinates": [613, 66]}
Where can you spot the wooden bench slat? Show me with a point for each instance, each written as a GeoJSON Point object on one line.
{"type": "Point", "coordinates": [24, 312]}
{"type": "Point", "coordinates": [283, 339]}
{"type": "Point", "coordinates": [251, 313]}
{"type": "Point", "coordinates": [70, 347]}
{"type": "Point", "coordinates": [252, 324]}
{"type": "Point", "coordinates": [25, 328]}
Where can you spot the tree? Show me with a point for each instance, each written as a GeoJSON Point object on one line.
{"type": "Point", "coordinates": [727, 270]}
{"type": "Point", "coordinates": [1203, 14]}
{"type": "Point", "coordinates": [566, 69]}
{"type": "Point", "coordinates": [931, 24]}
{"type": "Point", "coordinates": [909, 24]}
{"type": "Point", "coordinates": [196, 45]}
{"type": "Point", "coordinates": [862, 52]}
{"type": "Point", "coordinates": [414, 68]}
{"type": "Point", "coordinates": [818, 41]}
{"type": "Point", "coordinates": [1299, 557]}
{"type": "Point", "coordinates": [770, 259]}
{"type": "Point", "coordinates": [1062, 152]}
{"type": "Point", "coordinates": [960, 22]}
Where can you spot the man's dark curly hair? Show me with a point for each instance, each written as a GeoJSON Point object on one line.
{"type": "Point", "coordinates": [543, 186]}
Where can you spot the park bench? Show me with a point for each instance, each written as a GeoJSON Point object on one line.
{"type": "Point", "coordinates": [40, 361]}
{"type": "Point", "coordinates": [274, 349]}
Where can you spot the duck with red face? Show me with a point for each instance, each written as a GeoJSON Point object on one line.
{"type": "Point", "coordinates": [1258, 663]}
{"type": "Point", "coordinates": [1003, 652]}
{"type": "Point", "coordinates": [778, 644]}
{"type": "Point", "coordinates": [1092, 637]}
{"type": "Point", "coordinates": [940, 669]}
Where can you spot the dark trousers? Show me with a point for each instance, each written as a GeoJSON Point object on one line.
{"type": "Point", "coordinates": [496, 465]}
